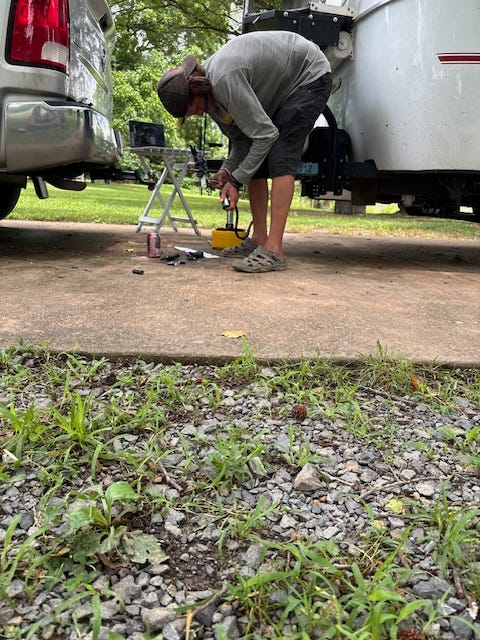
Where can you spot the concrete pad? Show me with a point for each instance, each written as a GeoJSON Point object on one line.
{"type": "Point", "coordinates": [73, 285]}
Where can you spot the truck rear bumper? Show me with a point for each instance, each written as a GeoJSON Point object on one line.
{"type": "Point", "coordinates": [44, 134]}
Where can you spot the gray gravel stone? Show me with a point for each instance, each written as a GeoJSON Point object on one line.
{"type": "Point", "coordinates": [460, 630]}
{"type": "Point", "coordinates": [15, 589]}
{"type": "Point", "coordinates": [432, 588]}
{"type": "Point", "coordinates": [253, 556]}
{"type": "Point", "coordinates": [229, 627]}
{"type": "Point", "coordinates": [308, 479]}
{"type": "Point", "coordinates": [158, 617]}
{"type": "Point", "coordinates": [127, 589]}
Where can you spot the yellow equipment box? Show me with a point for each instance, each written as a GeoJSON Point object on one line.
{"type": "Point", "coordinates": [225, 238]}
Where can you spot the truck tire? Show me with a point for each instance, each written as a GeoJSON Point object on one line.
{"type": "Point", "coordinates": [9, 194]}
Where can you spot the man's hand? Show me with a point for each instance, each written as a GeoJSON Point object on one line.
{"type": "Point", "coordinates": [231, 192]}
{"type": "Point", "coordinates": [220, 179]}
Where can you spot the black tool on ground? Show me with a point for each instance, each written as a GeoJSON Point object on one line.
{"type": "Point", "coordinates": [194, 255]}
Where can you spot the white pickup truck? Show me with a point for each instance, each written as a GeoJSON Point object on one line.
{"type": "Point", "coordinates": [55, 95]}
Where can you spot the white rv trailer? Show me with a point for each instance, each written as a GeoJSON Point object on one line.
{"type": "Point", "coordinates": [406, 97]}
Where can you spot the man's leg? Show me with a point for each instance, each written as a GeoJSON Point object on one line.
{"type": "Point", "coordinates": [294, 120]}
{"type": "Point", "coordinates": [258, 197]}
{"type": "Point", "coordinates": [282, 194]}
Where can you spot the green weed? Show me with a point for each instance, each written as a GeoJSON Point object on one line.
{"type": "Point", "coordinates": [230, 457]}
{"type": "Point", "coordinates": [299, 451]}
{"type": "Point", "coordinates": [308, 588]}
{"type": "Point", "coordinates": [242, 369]}
{"type": "Point", "coordinates": [95, 521]}
{"type": "Point", "coordinates": [456, 536]}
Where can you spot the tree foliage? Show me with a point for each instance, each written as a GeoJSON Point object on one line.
{"type": "Point", "coordinates": [171, 26]}
{"type": "Point", "coordinates": [154, 35]}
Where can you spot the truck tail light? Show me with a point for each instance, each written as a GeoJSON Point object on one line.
{"type": "Point", "coordinates": [39, 34]}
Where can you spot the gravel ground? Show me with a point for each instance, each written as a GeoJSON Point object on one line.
{"type": "Point", "coordinates": [224, 453]}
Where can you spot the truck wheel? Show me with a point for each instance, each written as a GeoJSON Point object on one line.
{"type": "Point", "coordinates": [9, 194]}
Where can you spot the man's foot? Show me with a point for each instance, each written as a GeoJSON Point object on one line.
{"type": "Point", "coordinates": [261, 260]}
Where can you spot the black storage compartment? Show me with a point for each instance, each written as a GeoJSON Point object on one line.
{"type": "Point", "coordinates": [329, 162]}
{"type": "Point", "coordinates": [321, 28]}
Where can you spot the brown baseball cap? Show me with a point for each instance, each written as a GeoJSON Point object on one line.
{"type": "Point", "coordinates": [173, 88]}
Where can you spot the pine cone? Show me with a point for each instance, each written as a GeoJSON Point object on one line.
{"type": "Point", "coordinates": [410, 634]}
{"type": "Point", "coordinates": [299, 412]}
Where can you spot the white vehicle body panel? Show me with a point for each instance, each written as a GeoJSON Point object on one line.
{"type": "Point", "coordinates": [409, 96]}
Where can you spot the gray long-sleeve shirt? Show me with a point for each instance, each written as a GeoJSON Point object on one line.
{"type": "Point", "coordinates": [251, 77]}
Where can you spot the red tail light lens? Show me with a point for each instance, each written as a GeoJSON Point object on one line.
{"type": "Point", "coordinates": [39, 33]}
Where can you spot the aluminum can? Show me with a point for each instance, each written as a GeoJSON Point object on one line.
{"type": "Point", "coordinates": [153, 245]}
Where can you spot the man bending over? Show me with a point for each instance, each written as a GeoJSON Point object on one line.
{"type": "Point", "coordinates": [265, 90]}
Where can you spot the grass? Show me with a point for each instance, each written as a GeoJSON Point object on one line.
{"type": "Point", "coordinates": [123, 204]}
{"type": "Point", "coordinates": [97, 496]}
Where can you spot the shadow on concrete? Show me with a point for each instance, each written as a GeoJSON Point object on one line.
{"type": "Point", "coordinates": [41, 240]}
{"type": "Point", "coordinates": [401, 253]}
